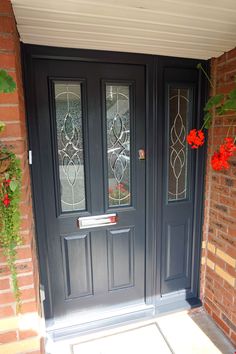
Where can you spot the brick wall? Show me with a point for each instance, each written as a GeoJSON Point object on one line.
{"type": "Point", "coordinates": [18, 333]}
{"type": "Point", "coordinates": [218, 284]}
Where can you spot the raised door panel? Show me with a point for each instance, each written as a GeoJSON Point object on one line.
{"type": "Point", "coordinates": [176, 253]}
{"type": "Point", "coordinates": [77, 260]}
{"type": "Point", "coordinates": [120, 248]}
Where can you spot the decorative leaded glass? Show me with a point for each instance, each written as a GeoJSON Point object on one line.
{"type": "Point", "coordinates": [178, 108]}
{"type": "Point", "coordinates": [70, 145]}
{"type": "Point", "coordinates": [118, 144]}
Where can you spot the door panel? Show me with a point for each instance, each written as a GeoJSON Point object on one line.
{"type": "Point", "coordinates": [121, 258]}
{"type": "Point", "coordinates": [178, 186]}
{"type": "Point", "coordinates": [76, 251]}
{"type": "Point", "coordinates": [91, 123]}
{"type": "Point", "coordinates": [178, 244]}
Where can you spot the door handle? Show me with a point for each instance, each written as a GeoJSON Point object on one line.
{"type": "Point", "coordinates": [141, 154]}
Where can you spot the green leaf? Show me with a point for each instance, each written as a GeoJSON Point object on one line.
{"type": "Point", "coordinates": [13, 185]}
{"type": "Point", "coordinates": [207, 120]}
{"type": "Point", "coordinates": [7, 84]}
{"type": "Point", "coordinates": [232, 94]}
{"type": "Point", "coordinates": [213, 101]}
{"type": "Point", "coordinates": [2, 126]}
{"type": "Point", "coordinates": [229, 105]}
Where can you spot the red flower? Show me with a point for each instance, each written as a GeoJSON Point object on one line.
{"type": "Point", "coordinates": [219, 160]}
{"type": "Point", "coordinates": [195, 138]}
{"type": "Point", "coordinates": [7, 182]}
{"type": "Point", "coordinates": [6, 200]}
{"type": "Point", "coordinates": [229, 146]}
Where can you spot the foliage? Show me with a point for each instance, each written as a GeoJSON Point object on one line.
{"type": "Point", "coordinates": [2, 126]}
{"type": "Point", "coordinates": [219, 104]}
{"type": "Point", "coordinates": [7, 84]}
{"type": "Point", "coordinates": [10, 184]}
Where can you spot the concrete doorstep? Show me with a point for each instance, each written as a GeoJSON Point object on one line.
{"type": "Point", "coordinates": [178, 333]}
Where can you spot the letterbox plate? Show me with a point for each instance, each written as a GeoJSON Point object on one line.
{"type": "Point", "coordinates": [87, 222]}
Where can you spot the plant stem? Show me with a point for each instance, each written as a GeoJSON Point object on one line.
{"type": "Point", "coordinates": [205, 73]}
{"type": "Point", "coordinates": [205, 122]}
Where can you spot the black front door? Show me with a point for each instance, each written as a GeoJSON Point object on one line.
{"type": "Point", "coordinates": [91, 128]}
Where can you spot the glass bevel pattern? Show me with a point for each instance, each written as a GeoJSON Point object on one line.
{"type": "Point", "coordinates": [118, 144]}
{"type": "Point", "coordinates": [70, 145]}
{"type": "Point", "coordinates": [178, 102]}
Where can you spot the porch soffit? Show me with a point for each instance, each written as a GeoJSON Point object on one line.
{"type": "Point", "coordinates": [184, 28]}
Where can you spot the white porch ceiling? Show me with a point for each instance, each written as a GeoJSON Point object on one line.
{"type": "Point", "coordinates": [185, 28]}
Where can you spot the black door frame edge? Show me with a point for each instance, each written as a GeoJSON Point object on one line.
{"type": "Point", "coordinates": [154, 82]}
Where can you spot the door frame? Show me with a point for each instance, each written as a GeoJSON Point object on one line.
{"type": "Point", "coordinates": [154, 68]}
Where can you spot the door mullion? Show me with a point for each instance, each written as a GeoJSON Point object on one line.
{"type": "Point", "coordinates": [96, 162]}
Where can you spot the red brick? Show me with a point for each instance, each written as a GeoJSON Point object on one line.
{"type": "Point", "coordinates": [25, 280]}
{"type": "Point", "coordinates": [28, 294]}
{"type": "Point", "coordinates": [27, 334]}
{"type": "Point", "coordinates": [4, 284]}
{"type": "Point", "coordinates": [7, 43]}
{"type": "Point", "coordinates": [9, 113]}
{"type": "Point", "coordinates": [228, 201]}
{"type": "Point", "coordinates": [208, 308]}
{"type": "Point", "coordinates": [7, 24]}
{"type": "Point", "coordinates": [6, 298]}
{"type": "Point", "coordinates": [8, 337]}
{"type": "Point", "coordinates": [27, 307]}
{"type": "Point", "coordinates": [233, 337]}
{"type": "Point", "coordinates": [221, 324]}
{"type": "Point", "coordinates": [232, 232]}
{"type": "Point", "coordinates": [24, 267]}
{"type": "Point", "coordinates": [229, 288]}
{"type": "Point", "coordinates": [9, 97]}
{"type": "Point", "coordinates": [7, 60]}
{"type": "Point", "coordinates": [24, 253]}
{"type": "Point", "coordinates": [5, 7]}
{"type": "Point", "coordinates": [231, 252]}
{"type": "Point", "coordinates": [6, 311]}
{"type": "Point", "coordinates": [12, 131]}
{"type": "Point", "coordinates": [230, 270]}
{"type": "Point", "coordinates": [232, 213]}
{"type": "Point", "coordinates": [215, 259]}
{"type": "Point", "coordinates": [212, 306]}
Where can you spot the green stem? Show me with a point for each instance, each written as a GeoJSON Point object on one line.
{"type": "Point", "coordinates": [205, 73]}
{"type": "Point", "coordinates": [205, 122]}
{"type": "Point", "coordinates": [231, 125]}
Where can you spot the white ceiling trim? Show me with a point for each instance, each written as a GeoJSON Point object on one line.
{"type": "Point", "coordinates": [201, 29]}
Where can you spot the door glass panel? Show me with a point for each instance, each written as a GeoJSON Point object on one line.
{"type": "Point", "coordinates": [118, 144]}
{"type": "Point", "coordinates": [68, 105]}
{"type": "Point", "coordinates": [178, 116]}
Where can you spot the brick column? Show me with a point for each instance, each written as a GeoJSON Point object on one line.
{"type": "Point", "coordinates": [18, 333]}
{"type": "Point", "coordinates": [218, 276]}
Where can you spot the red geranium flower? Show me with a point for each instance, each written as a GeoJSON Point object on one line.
{"type": "Point", "coordinates": [6, 200]}
{"type": "Point", "coordinates": [195, 138]}
{"type": "Point", "coordinates": [219, 160]}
